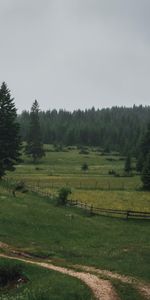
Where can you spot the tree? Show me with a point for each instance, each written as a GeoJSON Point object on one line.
{"type": "Point", "coordinates": [10, 141]}
{"type": "Point", "coordinates": [146, 174]}
{"type": "Point", "coordinates": [127, 166]}
{"type": "Point", "coordinates": [144, 149]}
{"type": "Point", "coordinates": [84, 167]}
{"type": "Point", "coordinates": [34, 147]}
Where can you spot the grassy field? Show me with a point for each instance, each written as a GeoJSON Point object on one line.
{"type": "Point", "coordinates": [37, 225]}
{"type": "Point", "coordinates": [95, 186]}
{"type": "Point", "coordinates": [47, 230]}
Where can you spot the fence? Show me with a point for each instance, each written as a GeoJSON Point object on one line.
{"type": "Point", "coordinates": [110, 212]}
{"type": "Point", "coordinates": [92, 210]}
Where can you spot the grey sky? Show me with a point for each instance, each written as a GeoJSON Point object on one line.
{"type": "Point", "coordinates": [76, 53]}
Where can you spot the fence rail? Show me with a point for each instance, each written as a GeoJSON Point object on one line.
{"type": "Point", "coordinates": [91, 209]}
{"type": "Point", "coordinates": [112, 212]}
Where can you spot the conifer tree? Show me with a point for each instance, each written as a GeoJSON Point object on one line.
{"type": "Point", "coordinates": [146, 174]}
{"type": "Point", "coordinates": [34, 147]}
{"type": "Point", "coordinates": [127, 166]}
{"type": "Point", "coordinates": [9, 132]}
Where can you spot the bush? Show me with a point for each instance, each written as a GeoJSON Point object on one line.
{"type": "Point", "coordinates": [9, 273]}
{"type": "Point", "coordinates": [84, 167]}
{"type": "Point", "coordinates": [63, 194]}
{"type": "Point", "coordinates": [112, 172]}
{"type": "Point", "coordinates": [84, 151]}
{"type": "Point", "coordinates": [20, 187]}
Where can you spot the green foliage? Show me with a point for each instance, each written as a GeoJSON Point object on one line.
{"type": "Point", "coordinates": [127, 166]}
{"type": "Point", "coordinates": [84, 167]}
{"type": "Point", "coordinates": [9, 273]}
{"type": "Point", "coordinates": [145, 177]}
{"type": "Point", "coordinates": [9, 132]}
{"type": "Point", "coordinates": [139, 163]}
{"type": "Point", "coordinates": [144, 149]}
{"type": "Point", "coordinates": [116, 128]}
{"type": "Point", "coordinates": [63, 194]}
{"type": "Point", "coordinates": [34, 147]}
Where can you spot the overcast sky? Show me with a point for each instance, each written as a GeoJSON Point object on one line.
{"type": "Point", "coordinates": [76, 53]}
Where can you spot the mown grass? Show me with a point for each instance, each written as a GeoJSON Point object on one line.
{"type": "Point", "coordinates": [42, 284]}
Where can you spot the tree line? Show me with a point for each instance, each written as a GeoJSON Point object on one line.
{"type": "Point", "coordinates": [113, 129]}
{"type": "Point", "coordinates": [130, 125]}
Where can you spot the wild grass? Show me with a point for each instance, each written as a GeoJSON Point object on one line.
{"type": "Point", "coordinates": [96, 186]}
{"type": "Point", "coordinates": [36, 225]}
{"type": "Point", "coordinates": [42, 284]}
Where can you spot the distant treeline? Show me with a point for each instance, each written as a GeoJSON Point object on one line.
{"type": "Point", "coordinates": [117, 128]}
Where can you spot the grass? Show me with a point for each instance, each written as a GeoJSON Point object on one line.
{"type": "Point", "coordinates": [126, 291]}
{"type": "Point", "coordinates": [48, 285]}
{"type": "Point", "coordinates": [38, 226]}
{"type": "Point", "coordinates": [95, 187]}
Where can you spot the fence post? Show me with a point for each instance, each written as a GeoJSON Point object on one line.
{"type": "Point", "coordinates": [91, 210]}
{"type": "Point", "coordinates": [127, 216]}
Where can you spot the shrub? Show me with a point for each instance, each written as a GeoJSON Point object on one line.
{"type": "Point", "coordinates": [63, 194]}
{"type": "Point", "coordinates": [9, 273]}
{"type": "Point", "coordinates": [84, 167]}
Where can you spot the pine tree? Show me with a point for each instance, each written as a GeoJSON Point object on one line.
{"type": "Point", "coordinates": [34, 147]}
{"type": "Point", "coordinates": [144, 150]}
{"type": "Point", "coordinates": [127, 166]}
{"type": "Point", "coordinates": [9, 132]}
{"type": "Point", "coordinates": [146, 174]}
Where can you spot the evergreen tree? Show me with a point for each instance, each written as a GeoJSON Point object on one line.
{"type": "Point", "coordinates": [9, 132]}
{"type": "Point", "coordinates": [34, 147]}
{"type": "Point", "coordinates": [139, 164]}
{"type": "Point", "coordinates": [84, 167]}
{"type": "Point", "coordinates": [127, 166]}
{"type": "Point", "coordinates": [146, 174]}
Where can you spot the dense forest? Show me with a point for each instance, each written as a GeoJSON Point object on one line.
{"type": "Point", "coordinates": [117, 128]}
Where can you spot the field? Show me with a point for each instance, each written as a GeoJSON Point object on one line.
{"type": "Point", "coordinates": [36, 225]}
{"type": "Point", "coordinates": [94, 186]}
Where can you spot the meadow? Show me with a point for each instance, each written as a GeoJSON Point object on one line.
{"type": "Point", "coordinates": [38, 226]}
{"type": "Point", "coordinates": [95, 186]}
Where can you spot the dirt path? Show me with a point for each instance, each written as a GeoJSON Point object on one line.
{"type": "Point", "coordinates": [102, 289]}
{"type": "Point", "coordinates": [143, 288]}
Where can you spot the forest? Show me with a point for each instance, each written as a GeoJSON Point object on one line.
{"type": "Point", "coordinates": [112, 129]}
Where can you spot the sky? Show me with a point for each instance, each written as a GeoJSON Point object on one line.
{"type": "Point", "coordinates": [71, 54]}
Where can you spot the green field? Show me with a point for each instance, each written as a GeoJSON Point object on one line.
{"type": "Point", "coordinates": [36, 225]}
{"type": "Point", "coordinates": [95, 186]}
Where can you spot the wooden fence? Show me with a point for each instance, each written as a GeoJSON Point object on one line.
{"type": "Point", "coordinates": [110, 212]}
{"type": "Point", "coordinates": [90, 209]}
